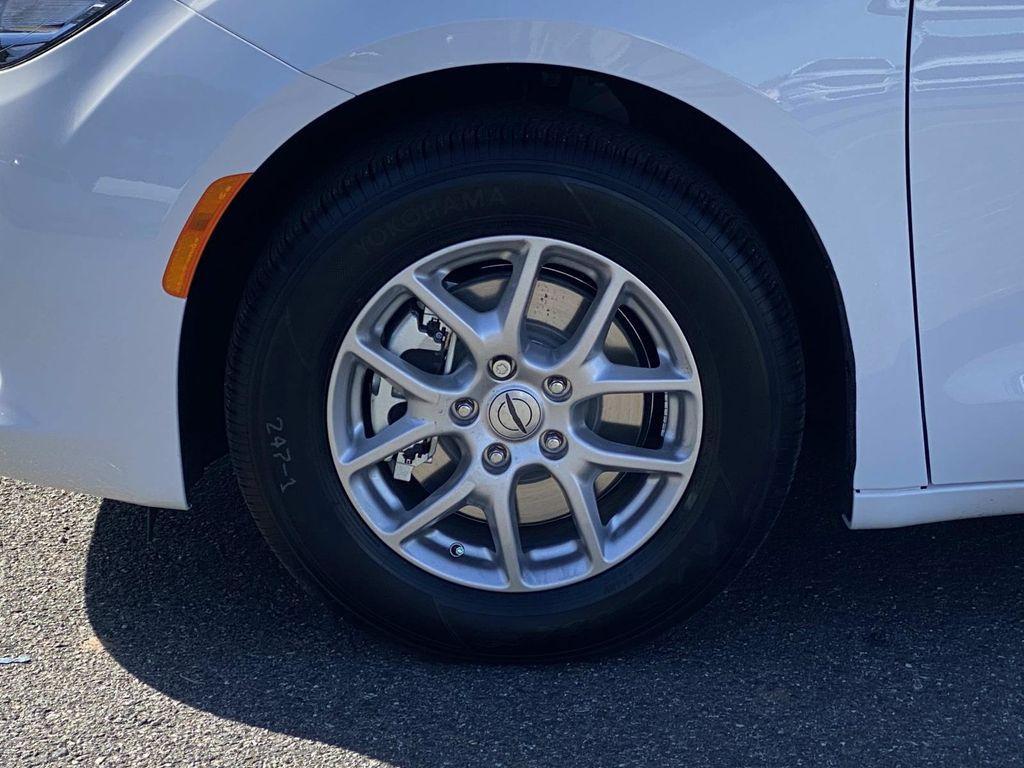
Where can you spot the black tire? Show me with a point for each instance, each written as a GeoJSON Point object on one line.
{"type": "Point", "coordinates": [561, 174]}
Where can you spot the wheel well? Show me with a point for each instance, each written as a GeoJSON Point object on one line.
{"type": "Point", "coordinates": [247, 226]}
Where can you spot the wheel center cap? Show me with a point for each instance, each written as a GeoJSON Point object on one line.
{"type": "Point", "coordinates": [514, 414]}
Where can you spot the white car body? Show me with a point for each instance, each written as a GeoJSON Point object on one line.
{"type": "Point", "coordinates": [109, 138]}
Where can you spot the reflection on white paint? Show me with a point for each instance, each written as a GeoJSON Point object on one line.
{"type": "Point", "coordinates": [135, 190]}
{"type": "Point", "coordinates": [995, 377]}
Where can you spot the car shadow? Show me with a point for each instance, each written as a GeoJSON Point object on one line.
{"type": "Point", "coordinates": [832, 646]}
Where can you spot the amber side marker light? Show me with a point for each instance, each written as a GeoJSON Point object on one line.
{"type": "Point", "coordinates": [196, 233]}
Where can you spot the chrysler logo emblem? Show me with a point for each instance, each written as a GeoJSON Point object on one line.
{"type": "Point", "coordinates": [514, 414]}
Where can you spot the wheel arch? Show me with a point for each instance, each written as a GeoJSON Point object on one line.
{"type": "Point", "coordinates": [782, 219]}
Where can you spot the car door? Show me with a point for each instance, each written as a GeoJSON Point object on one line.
{"type": "Point", "coordinates": [966, 160]}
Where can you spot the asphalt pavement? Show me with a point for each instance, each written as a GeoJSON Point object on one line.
{"type": "Point", "coordinates": [834, 647]}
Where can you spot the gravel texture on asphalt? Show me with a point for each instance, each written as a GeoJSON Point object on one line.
{"type": "Point", "coordinates": [835, 647]}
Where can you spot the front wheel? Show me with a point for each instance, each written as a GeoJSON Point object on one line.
{"type": "Point", "coordinates": [524, 387]}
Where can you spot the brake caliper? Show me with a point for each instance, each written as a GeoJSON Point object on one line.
{"type": "Point", "coordinates": [426, 342]}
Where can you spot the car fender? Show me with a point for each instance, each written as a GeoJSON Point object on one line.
{"type": "Point", "coordinates": [817, 89]}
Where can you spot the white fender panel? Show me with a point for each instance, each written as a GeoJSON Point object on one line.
{"type": "Point", "coordinates": [817, 88]}
{"type": "Point", "coordinates": [106, 143]}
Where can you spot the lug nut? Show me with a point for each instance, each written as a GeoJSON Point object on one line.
{"type": "Point", "coordinates": [502, 367]}
{"type": "Point", "coordinates": [552, 442]}
{"type": "Point", "coordinates": [464, 409]}
{"type": "Point", "coordinates": [556, 387]}
{"type": "Point", "coordinates": [496, 455]}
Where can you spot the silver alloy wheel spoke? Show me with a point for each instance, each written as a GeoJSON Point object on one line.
{"type": "Point", "coordinates": [582, 500]}
{"type": "Point", "coordinates": [413, 382]}
{"type": "Point", "coordinates": [500, 499]}
{"type": "Point", "coordinates": [367, 451]}
{"type": "Point", "coordinates": [445, 500]}
{"type": "Point", "coordinates": [466, 323]}
{"type": "Point", "coordinates": [464, 525]}
{"type": "Point", "coordinates": [594, 327]}
{"type": "Point", "coordinates": [612, 379]}
{"type": "Point", "coordinates": [609, 455]}
{"type": "Point", "coordinates": [516, 298]}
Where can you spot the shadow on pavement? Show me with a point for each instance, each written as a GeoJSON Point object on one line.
{"type": "Point", "coordinates": [834, 646]}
